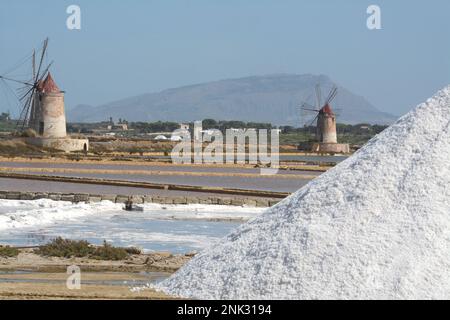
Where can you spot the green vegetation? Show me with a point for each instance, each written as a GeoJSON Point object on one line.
{"type": "Point", "coordinates": [295, 138]}
{"type": "Point", "coordinates": [6, 124]}
{"type": "Point", "coordinates": [133, 250]}
{"type": "Point", "coordinates": [108, 252]}
{"type": "Point", "coordinates": [17, 148]}
{"type": "Point", "coordinates": [8, 252]}
{"type": "Point", "coordinates": [166, 126]}
{"type": "Point", "coordinates": [357, 134]}
{"type": "Point", "coordinates": [151, 127]}
{"type": "Point", "coordinates": [66, 248]}
{"type": "Point", "coordinates": [60, 247]}
{"type": "Point", "coordinates": [134, 127]}
{"type": "Point", "coordinates": [4, 116]}
{"type": "Point", "coordinates": [224, 125]}
{"type": "Point", "coordinates": [28, 133]}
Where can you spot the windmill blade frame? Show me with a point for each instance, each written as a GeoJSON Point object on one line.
{"type": "Point", "coordinates": [23, 114]}
{"type": "Point", "coordinates": [27, 107]}
{"type": "Point", "coordinates": [16, 81]}
{"type": "Point", "coordinates": [306, 115]}
{"type": "Point", "coordinates": [331, 95]}
{"type": "Point", "coordinates": [308, 107]}
{"type": "Point", "coordinates": [315, 118]}
{"type": "Point", "coordinates": [23, 96]}
{"type": "Point", "coordinates": [33, 64]}
{"type": "Point", "coordinates": [28, 92]}
{"type": "Point", "coordinates": [44, 49]}
{"type": "Point", "coordinates": [312, 110]}
{"type": "Point", "coordinates": [318, 96]}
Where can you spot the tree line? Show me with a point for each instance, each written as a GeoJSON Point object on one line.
{"type": "Point", "coordinates": [352, 129]}
{"type": "Point", "coordinates": [223, 125]}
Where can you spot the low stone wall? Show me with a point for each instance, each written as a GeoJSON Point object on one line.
{"type": "Point", "coordinates": [139, 199]}
{"type": "Point", "coordinates": [331, 147]}
{"type": "Point", "coordinates": [65, 144]}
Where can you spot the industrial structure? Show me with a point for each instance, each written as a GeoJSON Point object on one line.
{"type": "Point", "coordinates": [326, 134]}
{"type": "Point", "coordinates": [43, 110]}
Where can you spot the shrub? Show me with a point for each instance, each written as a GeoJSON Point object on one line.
{"type": "Point", "coordinates": [17, 148]}
{"type": "Point", "coordinates": [133, 250]}
{"type": "Point", "coordinates": [108, 252]}
{"type": "Point", "coordinates": [29, 133]}
{"type": "Point", "coordinates": [8, 251]}
{"type": "Point", "coordinates": [65, 248]}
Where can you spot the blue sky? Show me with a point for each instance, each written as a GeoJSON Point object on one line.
{"type": "Point", "coordinates": [131, 47]}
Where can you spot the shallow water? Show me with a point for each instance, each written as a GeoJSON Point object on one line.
{"type": "Point", "coordinates": [177, 229]}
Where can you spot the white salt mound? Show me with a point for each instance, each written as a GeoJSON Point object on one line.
{"type": "Point", "coordinates": [377, 226]}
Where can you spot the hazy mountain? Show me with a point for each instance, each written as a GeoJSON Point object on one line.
{"type": "Point", "coordinates": [270, 98]}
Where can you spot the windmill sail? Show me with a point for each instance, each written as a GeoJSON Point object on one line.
{"type": "Point", "coordinates": [322, 115]}
{"type": "Point", "coordinates": [27, 99]}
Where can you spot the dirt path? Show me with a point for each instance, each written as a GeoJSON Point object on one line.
{"type": "Point", "coordinates": [143, 162]}
{"type": "Point", "coordinates": [155, 173]}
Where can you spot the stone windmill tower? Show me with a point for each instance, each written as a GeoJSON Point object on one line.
{"type": "Point", "coordinates": [326, 134]}
{"type": "Point", "coordinates": [326, 125]}
{"type": "Point", "coordinates": [47, 116]}
{"type": "Point", "coordinates": [42, 109]}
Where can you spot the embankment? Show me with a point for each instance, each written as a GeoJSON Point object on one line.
{"type": "Point", "coordinates": [139, 199]}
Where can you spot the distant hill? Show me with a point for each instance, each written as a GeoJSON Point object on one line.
{"type": "Point", "coordinates": [270, 98]}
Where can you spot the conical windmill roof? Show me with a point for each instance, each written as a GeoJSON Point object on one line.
{"type": "Point", "coordinates": [48, 85]}
{"type": "Point", "coordinates": [327, 109]}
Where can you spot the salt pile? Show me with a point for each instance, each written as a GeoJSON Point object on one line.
{"type": "Point", "coordinates": [377, 226]}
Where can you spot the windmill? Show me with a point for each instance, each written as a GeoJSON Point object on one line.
{"type": "Point", "coordinates": [42, 108]}
{"type": "Point", "coordinates": [326, 137]}
{"type": "Point", "coordinates": [322, 112]}
{"type": "Point", "coordinates": [28, 93]}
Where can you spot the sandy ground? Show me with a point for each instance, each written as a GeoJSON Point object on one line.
{"type": "Point", "coordinates": [158, 261]}
{"type": "Point", "coordinates": [30, 276]}
{"type": "Point", "coordinates": [32, 291]}
{"type": "Point", "coordinates": [145, 162]}
{"type": "Point", "coordinates": [53, 286]}
{"type": "Point", "coordinates": [155, 173]}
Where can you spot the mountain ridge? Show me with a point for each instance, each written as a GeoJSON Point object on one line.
{"type": "Point", "coordinates": [273, 98]}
